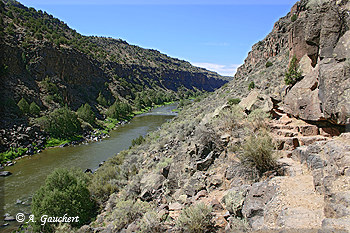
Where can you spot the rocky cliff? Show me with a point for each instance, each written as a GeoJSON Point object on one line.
{"type": "Point", "coordinates": [316, 33]}
{"type": "Point", "coordinates": [285, 173]}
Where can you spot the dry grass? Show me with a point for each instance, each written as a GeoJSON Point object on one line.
{"type": "Point", "coordinates": [195, 219]}
{"type": "Point", "coordinates": [257, 153]}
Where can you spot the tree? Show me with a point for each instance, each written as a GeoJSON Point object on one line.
{"type": "Point", "coordinates": [61, 123]}
{"type": "Point", "coordinates": [101, 100]}
{"type": "Point", "coordinates": [293, 75]}
{"type": "Point", "coordinates": [119, 110]}
{"type": "Point", "coordinates": [138, 141]}
{"type": "Point", "coordinates": [64, 192]}
{"type": "Point", "coordinates": [268, 64]}
{"type": "Point", "coordinates": [86, 114]}
{"type": "Point", "coordinates": [34, 109]}
{"type": "Point", "coordinates": [251, 85]}
{"type": "Point", "coordinates": [23, 105]}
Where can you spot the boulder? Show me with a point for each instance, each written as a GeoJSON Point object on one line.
{"type": "Point", "coordinates": [165, 171]}
{"type": "Point", "coordinates": [303, 99]}
{"type": "Point", "coordinates": [195, 184]}
{"type": "Point", "coordinates": [334, 91]}
{"type": "Point", "coordinates": [149, 184]}
{"type": "Point", "coordinates": [256, 100]}
{"type": "Point", "coordinates": [255, 203]}
{"type": "Point", "coordinates": [5, 173]}
{"type": "Point", "coordinates": [342, 50]}
{"type": "Point", "coordinates": [200, 194]}
{"type": "Point", "coordinates": [216, 205]}
{"type": "Point", "coordinates": [249, 101]}
{"type": "Point", "coordinates": [204, 164]}
{"type": "Point", "coordinates": [9, 218]}
{"type": "Point", "coordinates": [175, 206]}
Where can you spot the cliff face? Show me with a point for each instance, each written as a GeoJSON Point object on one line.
{"type": "Point", "coordinates": [316, 32]}
{"type": "Point", "coordinates": [37, 48]}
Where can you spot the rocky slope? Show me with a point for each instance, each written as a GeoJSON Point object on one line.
{"type": "Point", "coordinates": [199, 156]}
{"type": "Point", "coordinates": [50, 64]}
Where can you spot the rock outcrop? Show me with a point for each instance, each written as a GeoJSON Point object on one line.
{"type": "Point", "coordinates": [316, 32]}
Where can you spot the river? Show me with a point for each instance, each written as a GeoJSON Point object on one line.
{"type": "Point", "coordinates": [29, 173]}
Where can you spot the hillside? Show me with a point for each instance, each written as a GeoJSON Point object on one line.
{"type": "Point", "coordinates": [51, 65]}
{"type": "Point", "coordinates": [261, 154]}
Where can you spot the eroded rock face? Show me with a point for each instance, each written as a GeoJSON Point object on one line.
{"type": "Point", "coordinates": [320, 40]}
{"type": "Point", "coordinates": [323, 93]}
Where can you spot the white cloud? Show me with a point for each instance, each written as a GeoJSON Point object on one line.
{"type": "Point", "coordinates": [225, 70]}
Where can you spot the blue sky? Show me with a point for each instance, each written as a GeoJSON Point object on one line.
{"type": "Point", "coordinates": [215, 34]}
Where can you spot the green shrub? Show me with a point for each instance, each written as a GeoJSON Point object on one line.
{"type": "Point", "coordinates": [239, 225]}
{"type": "Point", "coordinates": [64, 192]}
{"type": "Point", "coordinates": [34, 109]}
{"type": "Point", "coordinates": [50, 86]}
{"type": "Point", "coordinates": [86, 114]}
{"type": "Point", "coordinates": [293, 75]}
{"type": "Point", "coordinates": [102, 100]}
{"type": "Point", "coordinates": [151, 223]}
{"type": "Point", "coordinates": [49, 98]}
{"type": "Point", "coordinates": [164, 161]}
{"type": "Point", "coordinates": [137, 141]}
{"type": "Point", "coordinates": [257, 153]}
{"type": "Point", "coordinates": [3, 70]}
{"type": "Point", "coordinates": [234, 202]}
{"type": "Point", "coordinates": [23, 105]}
{"type": "Point", "coordinates": [127, 211]}
{"type": "Point", "coordinates": [183, 103]}
{"type": "Point", "coordinates": [63, 228]}
{"type": "Point", "coordinates": [105, 181]}
{"type": "Point", "coordinates": [11, 154]}
{"type": "Point", "coordinates": [268, 64]}
{"type": "Point", "coordinates": [251, 85]}
{"type": "Point", "coordinates": [195, 219]}
{"type": "Point", "coordinates": [257, 120]}
{"type": "Point", "coordinates": [38, 36]}
{"type": "Point", "coordinates": [233, 101]}
{"type": "Point", "coordinates": [293, 18]}
{"type": "Point", "coordinates": [61, 123]}
{"type": "Point", "coordinates": [229, 119]}
{"type": "Point", "coordinates": [51, 142]}
{"type": "Point", "coordinates": [119, 110]}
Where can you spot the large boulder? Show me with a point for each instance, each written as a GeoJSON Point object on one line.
{"type": "Point", "coordinates": [334, 91]}
{"type": "Point", "coordinates": [254, 206]}
{"type": "Point", "coordinates": [303, 99]}
{"type": "Point", "coordinates": [149, 185]}
{"type": "Point", "coordinates": [256, 100]}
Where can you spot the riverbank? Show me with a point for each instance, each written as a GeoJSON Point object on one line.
{"type": "Point", "coordinates": [30, 140]}
{"type": "Point", "coordinates": [30, 172]}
